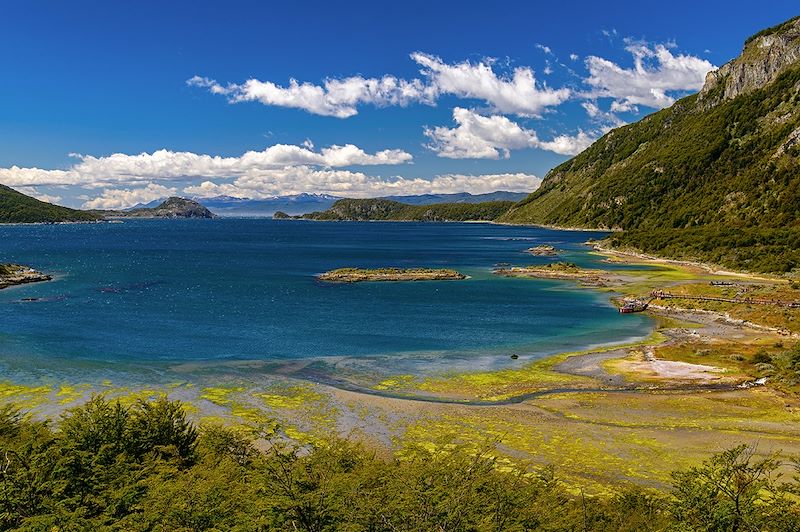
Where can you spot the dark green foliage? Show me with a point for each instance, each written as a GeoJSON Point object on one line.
{"type": "Point", "coordinates": [10, 421]}
{"type": "Point", "coordinates": [734, 491]}
{"type": "Point", "coordinates": [779, 365]}
{"type": "Point", "coordinates": [762, 357]}
{"type": "Point", "coordinates": [92, 467]}
{"type": "Point", "coordinates": [16, 207]}
{"type": "Point", "coordinates": [386, 210]}
{"type": "Point", "coordinates": [763, 249]}
{"type": "Point", "coordinates": [112, 467]}
{"type": "Point", "coordinates": [161, 427]}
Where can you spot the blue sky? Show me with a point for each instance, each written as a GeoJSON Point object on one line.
{"type": "Point", "coordinates": [107, 105]}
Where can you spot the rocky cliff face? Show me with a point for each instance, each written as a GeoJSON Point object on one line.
{"type": "Point", "coordinates": [765, 56]}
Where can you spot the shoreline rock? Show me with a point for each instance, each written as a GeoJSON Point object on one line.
{"type": "Point", "coordinates": [16, 274]}
{"type": "Point", "coordinates": [545, 250]}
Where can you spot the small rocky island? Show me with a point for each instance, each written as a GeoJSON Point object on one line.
{"type": "Point", "coordinates": [173, 207]}
{"type": "Point", "coordinates": [356, 275]}
{"type": "Point", "coordinates": [544, 250]}
{"type": "Point", "coordinates": [556, 270]}
{"type": "Point", "coordinates": [14, 274]}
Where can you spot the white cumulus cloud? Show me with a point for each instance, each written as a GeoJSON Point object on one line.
{"type": "Point", "coordinates": [91, 171]}
{"type": "Point", "coordinates": [656, 78]}
{"type": "Point", "coordinates": [518, 93]}
{"type": "Point", "coordinates": [335, 97]}
{"type": "Point", "coordinates": [16, 177]}
{"type": "Point", "coordinates": [121, 180]}
{"type": "Point", "coordinates": [36, 193]}
{"type": "Point", "coordinates": [568, 144]}
{"type": "Point", "coordinates": [492, 137]}
{"type": "Point", "coordinates": [124, 198]}
{"type": "Point", "coordinates": [479, 137]}
{"type": "Point", "coordinates": [351, 184]}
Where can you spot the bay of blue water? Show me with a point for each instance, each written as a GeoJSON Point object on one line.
{"type": "Point", "coordinates": [150, 295]}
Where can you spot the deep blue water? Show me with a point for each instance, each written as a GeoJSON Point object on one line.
{"type": "Point", "coordinates": [148, 295]}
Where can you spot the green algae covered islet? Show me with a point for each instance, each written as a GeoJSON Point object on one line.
{"type": "Point", "coordinates": [356, 275]}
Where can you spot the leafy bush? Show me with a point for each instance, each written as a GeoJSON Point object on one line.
{"type": "Point", "coordinates": [734, 490]}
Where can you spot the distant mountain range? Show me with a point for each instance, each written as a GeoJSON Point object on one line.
{"type": "Point", "coordinates": [299, 204]}
{"type": "Point", "coordinates": [254, 208]}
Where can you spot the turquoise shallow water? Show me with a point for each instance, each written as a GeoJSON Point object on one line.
{"type": "Point", "coordinates": [146, 297]}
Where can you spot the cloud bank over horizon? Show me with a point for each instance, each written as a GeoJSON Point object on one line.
{"type": "Point", "coordinates": [126, 180]}
{"type": "Point", "coordinates": [498, 109]}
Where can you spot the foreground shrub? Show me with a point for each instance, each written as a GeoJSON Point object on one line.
{"type": "Point", "coordinates": [107, 466]}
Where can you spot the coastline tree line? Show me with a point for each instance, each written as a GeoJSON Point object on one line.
{"type": "Point", "coordinates": [107, 466]}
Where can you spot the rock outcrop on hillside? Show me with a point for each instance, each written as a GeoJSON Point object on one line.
{"type": "Point", "coordinates": [764, 57]}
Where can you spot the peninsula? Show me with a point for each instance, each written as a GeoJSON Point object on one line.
{"type": "Point", "coordinates": [14, 274]}
{"type": "Point", "coordinates": [378, 209]}
{"type": "Point", "coordinates": [356, 275]}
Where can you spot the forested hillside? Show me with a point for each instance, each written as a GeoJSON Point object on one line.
{"type": "Point", "coordinates": [16, 207]}
{"type": "Point", "coordinates": [714, 177]}
{"type": "Point", "coordinates": [383, 209]}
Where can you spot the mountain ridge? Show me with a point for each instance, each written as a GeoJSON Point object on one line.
{"type": "Point", "coordinates": [715, 177]}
